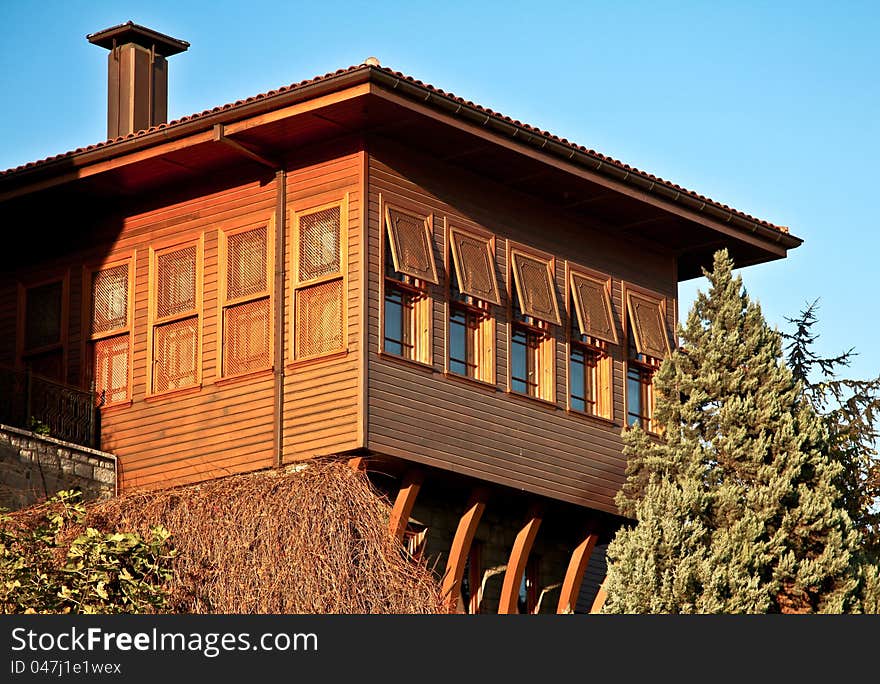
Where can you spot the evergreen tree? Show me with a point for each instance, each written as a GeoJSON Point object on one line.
{"type": "Point", "coordinates": [851, 411]}
{"type": "Point", "coordinates": [736, 509]}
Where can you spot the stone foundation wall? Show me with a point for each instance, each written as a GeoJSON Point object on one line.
{"type": "Point", "coordinates": [34, 467]}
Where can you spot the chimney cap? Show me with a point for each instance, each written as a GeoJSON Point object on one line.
{"type": "Point", "coordinates": [139, 35]}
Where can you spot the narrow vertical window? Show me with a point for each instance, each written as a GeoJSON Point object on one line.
{"type": "Point", "coordinates": [110, 332]}
{"type": "Point", "coordinates": [246, 301]}
{"type": "Point", "coordinates": [592, 331]}
{"type": "Point", "coordinates": [319, 281]}
{"type": "Point", "coordinates": [175, 312]}
{"type": "Point", "coordinates": [648, 344]}
{"type": "Point", "coordinates": [473, 290]}
{"type": "Point", "coordinates": [535, 312]}
{"type": "Point", "coordinates": [44, 321]}
{"type": "Point", "coordinates": [408, 270]}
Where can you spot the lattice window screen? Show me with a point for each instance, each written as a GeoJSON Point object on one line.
{"type": "Point", "coordinates": [110, 299]}
{"type": "Point", "coordinates": [319, 319]}
{"type": "Point", "coordinates": [246, 263]}
{"type": "Point", "coordinates": [319, 244]}
{"type": "Point", "coordinates": [176, 292]}
{"type": "Point", "coordinates": [246, 346]}
{"type": "Point", "coordinates": [176, 350]}
{"type": "Point", "coordinates": [411, 248]}
{"type": "Point", "coordinates": [534, 285]}
{"type": "Point", "coordinates": [649, 331]}
{"type": "Point", "coordinates": [111, 368]}
{"type": "Point", "coordinates": [593, 307]}
{"type": "Point", "coordinates": [475, 267]}
{"type": "Point", "coordinates": [43, 308]}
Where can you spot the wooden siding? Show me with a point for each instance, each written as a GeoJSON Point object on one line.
{"type": "Point", "coordinates": [321, 395]}
{"type": "Point", "coordinates": [222, 425]}
{"type": "Point", "coordinates": [210, 430]}
{"type": "Point", "coordinates": [421, 414]}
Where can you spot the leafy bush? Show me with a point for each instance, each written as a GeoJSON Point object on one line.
{"type": "Point", "coordinates": [49, 565]}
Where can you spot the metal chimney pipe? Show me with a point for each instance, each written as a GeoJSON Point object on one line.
{"type": "Point", "coordinates": [137, 82]}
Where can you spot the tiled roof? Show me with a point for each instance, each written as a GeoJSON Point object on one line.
{"type": "Point", "coordinates": [426, 86]}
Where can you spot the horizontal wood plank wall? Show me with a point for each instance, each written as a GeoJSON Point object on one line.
{"type": "Point", "coordinates": [321, 396]}
{"type": "Point", "coordinates": [420, 414]}
{"type": "Point", "coordinates": [217, 429]}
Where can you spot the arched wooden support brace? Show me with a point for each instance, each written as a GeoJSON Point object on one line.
{"type": "Point", "coordinates": [599, 601]}
{"type": "Point", "coordinates": [403, 504]}
{"type": "Point", "coordinates": [461, 546]}
{"type": "Point", "coordinates": [574, 576]}
{"type": "Point", "coordinates": [519, 555]}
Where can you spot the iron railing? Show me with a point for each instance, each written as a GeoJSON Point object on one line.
{"type": "Point", "coordinates": [45, 406]}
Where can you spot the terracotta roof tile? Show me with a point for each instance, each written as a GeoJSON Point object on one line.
{"type": "Point", "coordinates": [467, 103]}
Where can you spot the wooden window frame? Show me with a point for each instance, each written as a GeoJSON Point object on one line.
{"type": "Point", "coordinates": [224, 302]}
{"type": "Point", "coordinates": [416, 292]}
{"type": "Point", "coordinates": [647, 366]}
{"type": "Point", "coordinates": [154, 321]}
{"type": "Point", "coordinates": [546, 353]}
{"type": "Point", "coordinates": [23, 353]}
{"type": "Point", "coordinates": [306, 208]}
{"type": "Point", "coordinates": [481, 326]}
{"type": "Point", "coordinates": [600, 349]}
{"type": "Point", "coordinates": [90, 338]}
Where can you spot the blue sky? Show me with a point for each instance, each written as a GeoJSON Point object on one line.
{"type": "Point", "coordinates": [772, 108]}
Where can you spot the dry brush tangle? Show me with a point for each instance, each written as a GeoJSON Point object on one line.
{"type": "Point", "coordinates": [311, 538]}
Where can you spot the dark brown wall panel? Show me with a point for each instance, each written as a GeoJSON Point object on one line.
{"type": "Point", "coordinates": [422, 415]}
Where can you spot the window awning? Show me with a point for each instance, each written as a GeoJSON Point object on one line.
{"type": "Point", "coordinates": [533, 277]}
{"type": "Point", "coordinates": [592, 303]}
{"type": "Point", "coordinates": [474, 266]}
{"type": "Point", "coordinates": [411, 247]}
{"type": "Point", "coordinates": [649, 330]}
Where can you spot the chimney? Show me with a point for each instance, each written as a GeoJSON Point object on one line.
{"type": "Point", "coordinates": [137, 83]}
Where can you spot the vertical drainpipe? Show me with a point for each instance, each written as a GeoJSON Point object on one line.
{"type": "Point", "coordinates": [280, 325]}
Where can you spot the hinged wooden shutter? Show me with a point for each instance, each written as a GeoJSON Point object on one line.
{"type": "Point", "coordinates": [319, 319]}
{"type": "Point", "coordinates": [593, 307]}
{"type": "Point", "coordinates": [319, 244]}
{"type": "Point", "coordinates": [111, 368]}
{"type": "Point", "coordinates": [110, 299]}
{"type": "Point", "coordinates": [648, 328]}
{"type": "Point", "coordinates": [246, 343]}
{"type": "Point", "coordinates": [534, 286]}
{"type": "Point", "coordinates": [176, 354]}
{"type": "Point", "coordinates": [246, 264]}
{"type": "Point", "coordinates": [474, 266]}
{"type": "Point", "coordinates": [176, 292]}
{"type": "Point", "coordinates": [411, 245]}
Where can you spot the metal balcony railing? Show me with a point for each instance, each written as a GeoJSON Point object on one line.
{"type": "Point", "coordinates": [33, 402]}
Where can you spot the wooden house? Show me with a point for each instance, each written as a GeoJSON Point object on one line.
{"type": "Point", "coordinates": [364, 265]}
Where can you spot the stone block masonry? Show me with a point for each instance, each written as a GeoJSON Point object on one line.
{"type": "Point", "coordinates": [34, 467]}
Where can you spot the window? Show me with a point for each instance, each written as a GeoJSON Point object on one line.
{"type": "Point", "coordinates": [409, 268]}
{"type": "Point", "coordinates": [319, 273]}
{"type": "Point", "coordinates": [647, 344]}
{"type": "Point", "coordinates": [473, 289]}
{"type": "Point", "coordinates": [174, 317]}
{"type": "Point", "coordinates": [246, 311]}
{"type": "Point", "coordinates": [109, 331]}
{"type": "Point", "coordinates": [534, 311]}
{"type": "Point", "coordinates": [592, 331]}
{"type": "Point", "coordinates": [43, 334]}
